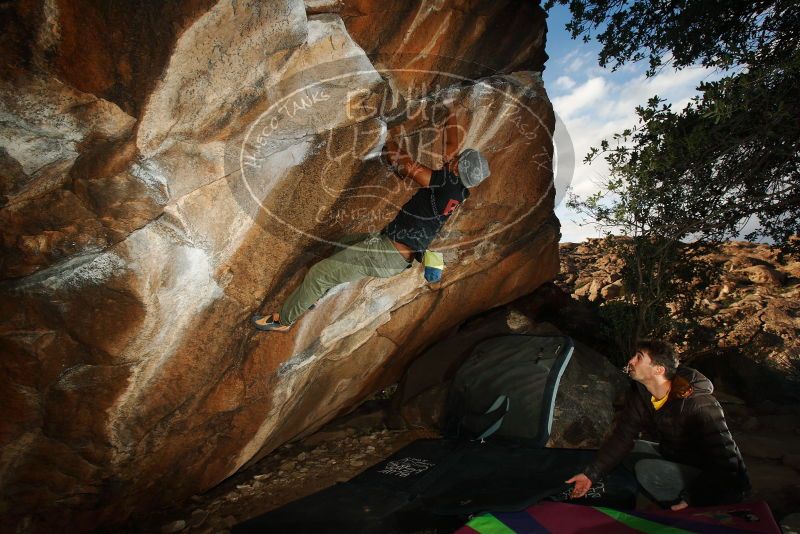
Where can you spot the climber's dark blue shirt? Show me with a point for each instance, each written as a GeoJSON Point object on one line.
{"type": "Point", "coordinates": [421, 218]}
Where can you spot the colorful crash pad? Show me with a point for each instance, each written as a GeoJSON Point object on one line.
{"type": "Point", "coordinates": [563, 518]}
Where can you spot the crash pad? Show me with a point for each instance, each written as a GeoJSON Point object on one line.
{"type": "Point", "coordinates": [565, 518]}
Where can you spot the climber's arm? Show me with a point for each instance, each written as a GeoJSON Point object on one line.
{"type": "Point", "coordinates": [404, 165]}
{"type": "Point", "coordinates": [452, 135]}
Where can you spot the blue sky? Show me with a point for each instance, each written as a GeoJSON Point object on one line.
{"type": "Point", "coordinates": [595, 103]}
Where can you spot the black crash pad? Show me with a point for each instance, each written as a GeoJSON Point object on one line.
{"type": "Point", "coordinates": [435, 485]}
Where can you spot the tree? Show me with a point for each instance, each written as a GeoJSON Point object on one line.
{"type": "Point", "coordinates": [714, 33]}
{"type": "Point", "coordinates": [699, 174]}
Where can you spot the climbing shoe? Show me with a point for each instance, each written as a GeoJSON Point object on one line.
{"type": "Point", "coordinates": [260, 323]}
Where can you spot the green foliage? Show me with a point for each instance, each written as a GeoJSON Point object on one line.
{"type": "Point", "coordinates": [619, 318]}
{"type": "Point", "coordinates": [660, 277]}
{"type": "Point", "coordinates": [714, 33]}
{"type": "Point", "coordinates": [732, 153]}
{"type": "Point", "coordinates": [699, 174]}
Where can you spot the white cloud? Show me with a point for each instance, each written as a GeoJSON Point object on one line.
{"type": "Point", "coordinates": [572, 230]}
{"type": "Point", "coordinates": [565, 82]}
{"type": "Point", "coordinates": [577, 62]}
{"type": "Point", "coordinates": [569, 56]}
{"type": "Point", "coordinates": [605, 104]}
{"type": "Point", "coordinates": [582, 96]}
{"type": "Point", "coordinates": [676, 87]}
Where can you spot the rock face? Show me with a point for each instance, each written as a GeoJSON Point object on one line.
{"type": "Point", "coordinates": [584, 408]}
{"type": "Point", "coordinates": [750, 313]}
{"type": "Point", "coordinates": [166, 171]}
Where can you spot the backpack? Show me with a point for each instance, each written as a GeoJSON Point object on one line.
{"type": "Point", "coordinates": [507, 388]}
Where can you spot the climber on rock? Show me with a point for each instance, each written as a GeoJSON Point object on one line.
{"type": "Point", "coordinates": [405, 239]}
{"type": "Point", "coordinates": [696, 462]}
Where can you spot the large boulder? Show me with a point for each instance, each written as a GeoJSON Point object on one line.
{"type": "Point", "coordinates": [167, 172]}
{"type": "Point", "coordinates": [588, 390]}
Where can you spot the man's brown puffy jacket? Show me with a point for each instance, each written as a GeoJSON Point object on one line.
{"type": "Point", "coordinates": [690, 429]}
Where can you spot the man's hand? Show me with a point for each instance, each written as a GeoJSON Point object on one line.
{"type": "Point", "coordinates": [582, 485]}
{"type": "Point", "coordinates": [390, 151]}
{"type": "Point", "coordinates": [452, 134]}
{"type": "Point", "coordinates": [680, 506]}
{"type": "Point", "coordinates": [400, 163]}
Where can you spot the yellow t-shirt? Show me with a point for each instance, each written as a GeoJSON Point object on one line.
{"type": "Point", "coordinates": [657, 404]}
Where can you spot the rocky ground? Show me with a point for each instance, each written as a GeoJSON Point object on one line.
{"type": "Point", "coordinates": [750, 314]}
{"type": "Point", "coordinates": [335, 454]}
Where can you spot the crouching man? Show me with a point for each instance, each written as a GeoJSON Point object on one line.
{"type": "Point", "coordinates": [696, 462]}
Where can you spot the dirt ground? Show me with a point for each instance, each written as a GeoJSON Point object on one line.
{"type": "Point", "coordinates": [337, 453]}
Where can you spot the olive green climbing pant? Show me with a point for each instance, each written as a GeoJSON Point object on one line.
{"type": "Point", "coordinates": [373, 256]}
